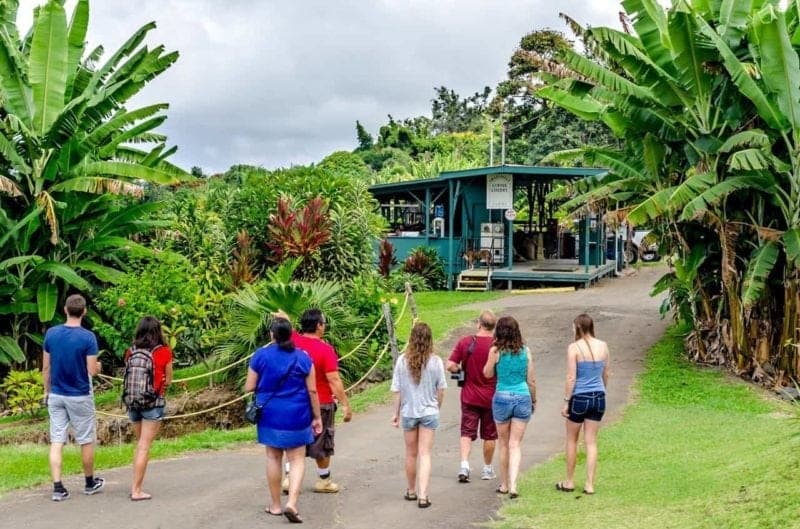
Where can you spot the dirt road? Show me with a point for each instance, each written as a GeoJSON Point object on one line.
{"type": "Point", "coordinates": [227, 489]}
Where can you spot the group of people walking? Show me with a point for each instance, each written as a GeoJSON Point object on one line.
{"type": "Point", "coordinates": [297, 386]}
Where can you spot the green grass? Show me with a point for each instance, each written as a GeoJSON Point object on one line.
{"type": "Point", "coordinates": [698, 450]}
{"type": "Point", "coordinates": [26, 465]}
{"type": "Point", "coordinates": [441, 310]}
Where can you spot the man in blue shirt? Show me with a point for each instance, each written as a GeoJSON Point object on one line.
{"type": "Point", "coordinates": [69, 361]}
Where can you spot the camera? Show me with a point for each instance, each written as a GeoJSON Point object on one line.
{"type": "Point", "coordinates": [459, 377]}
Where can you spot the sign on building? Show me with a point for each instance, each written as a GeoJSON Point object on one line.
{"type": "Point", "coordinates": [499, 191]}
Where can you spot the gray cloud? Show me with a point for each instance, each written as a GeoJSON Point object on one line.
{"type": "Point", "coordinates": [281, 83]}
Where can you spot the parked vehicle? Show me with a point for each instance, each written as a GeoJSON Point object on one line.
{"type": "Point", "coordinates": [642, 245]}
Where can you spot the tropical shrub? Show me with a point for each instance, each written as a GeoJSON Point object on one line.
{"type": "Point", "coordinates": [386, 257]}
{"type": "Point", "coordinates": [706, 96]}
{"type": "Point", "coordinates": [24, 391]}
{"type": "Point", "coordinates": [69, 148]}
{"type": "Point", "coordinates": [426, 262]}
{"type": "Point", "coordinates": [299, 232]}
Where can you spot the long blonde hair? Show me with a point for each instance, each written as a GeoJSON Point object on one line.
{"type": "Point", "coordinates": [420, 349]}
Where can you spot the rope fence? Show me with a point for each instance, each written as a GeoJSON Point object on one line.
{"type": "Point", "coordinates": [244, 359]}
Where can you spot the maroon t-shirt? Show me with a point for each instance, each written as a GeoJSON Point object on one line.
{"type": "Point", "coordinates": [478, 390]}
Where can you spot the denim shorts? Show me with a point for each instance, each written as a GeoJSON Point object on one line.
{"type": "Point", "coordinates": [589, 406]}
{"type": "Point", "coordinates": [507, 406]}
{"type": "Point", "coordinates": [431, 422]}
{"type": "Point", "coordinates": [153, 414]}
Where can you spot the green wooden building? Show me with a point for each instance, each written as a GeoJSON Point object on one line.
{"type": "Point", "coordinates": [469, 218]}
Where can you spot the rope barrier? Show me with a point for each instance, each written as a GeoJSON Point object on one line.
{"type": "Point", "coordinates": [244, 359]}
{"type": "Point", "coordinates": [370, 333]}
{"type": "Point", "coordinates": [183, 415]}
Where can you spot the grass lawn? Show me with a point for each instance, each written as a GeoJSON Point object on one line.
{"type": "Point", "coordinates": [25, 465]}
{"type": "Point", "coordinates": [698, 450]}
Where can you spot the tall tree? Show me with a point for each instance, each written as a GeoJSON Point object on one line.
{"type": "Point", "coordinates": [73, 162]}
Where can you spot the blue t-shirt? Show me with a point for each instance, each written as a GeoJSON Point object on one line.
{"type": "Point", "coordinates": [68, 348]}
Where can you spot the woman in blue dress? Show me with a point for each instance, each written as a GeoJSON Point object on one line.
{"type": "Point", "coordinates": [284, 383]}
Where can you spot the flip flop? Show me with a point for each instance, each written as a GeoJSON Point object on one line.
{"type": "Point", "coordinates": [424, 503]}
{"type": "Point", "coordinates": [292, 515]}
{"type": "Point", "coordinates": [268, 511]}
{"type": "Point", "coordinates": [500, 491]}
{"type": "Point", "coordinates": [410, 496]}
{"type": "Point", "coordinates": [562, 488]}
{"type": "Point", "coordinates": [144, 497]}
{"type": "Point", "coordinates": [513, 495]}
{"type": "Point", "coordinates": [587, 492]}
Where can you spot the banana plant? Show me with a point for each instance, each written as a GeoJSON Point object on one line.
{"type": "Point", "coordinates": [75, 162]}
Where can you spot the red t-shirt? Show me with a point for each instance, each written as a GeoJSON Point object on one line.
{"type": "Point", "coordinates": [162, 356]}
{"type": "Point", "coordinates": [325, 361]}
{"type": "Point", "coordinates": [477, 390]}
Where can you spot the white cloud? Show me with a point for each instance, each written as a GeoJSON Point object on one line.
{"type": "Point", "coordinates": [281, 83]}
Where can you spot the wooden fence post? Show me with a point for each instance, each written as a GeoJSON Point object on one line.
{"type": "Point", "coordinates": [387, 314]}
{"type": "Point", "coordinates": [412, 302]}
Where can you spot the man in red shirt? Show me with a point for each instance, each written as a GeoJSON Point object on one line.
{"type": "Point", "coordinates": [329, 385]}
{"type": "Point", "coordinates": [469, 356]}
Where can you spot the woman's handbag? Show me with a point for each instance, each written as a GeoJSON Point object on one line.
{"type": "Point", "coordinates": [252, 412]}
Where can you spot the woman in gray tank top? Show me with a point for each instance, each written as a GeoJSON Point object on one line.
{"type": "Point", "coordinates": [584, 399]}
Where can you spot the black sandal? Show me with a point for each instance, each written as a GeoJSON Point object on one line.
{"type": "Point", "coordinates": [424, 503]}
{"type": "Point", "coordinates": [500, 491]}
{"type": "Point", "coordinates": [410, 496]}
{"type": "Point", "coordinates": [292, 515]}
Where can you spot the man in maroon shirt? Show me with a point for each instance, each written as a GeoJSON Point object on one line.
{"type": "Point", "coordinates": [329, 385]}
{"type": "Point", "coordinates": [469, 356]}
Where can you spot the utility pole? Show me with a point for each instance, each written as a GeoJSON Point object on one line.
{"type": "Point", "coordinates": [503, 144]}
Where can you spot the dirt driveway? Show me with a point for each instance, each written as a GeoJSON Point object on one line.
{"type": "Point", "coordinates": [227, 489]}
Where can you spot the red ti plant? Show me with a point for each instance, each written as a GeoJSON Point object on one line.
{"type": "Point", "coordinates": [386, 257]}
{"type": "Point", "coordinates": [299, 232]}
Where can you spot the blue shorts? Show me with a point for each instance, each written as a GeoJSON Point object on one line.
{"type": "Point", "coordinates": [507, 406]}
{"type": "Point", "coordinates": [153, 414]}
{"type": "Point", "coordinates": [431, 422]}
{"type": "Point", "coordinates": [585, 406]}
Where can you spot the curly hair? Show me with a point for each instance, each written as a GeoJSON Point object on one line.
{"type": "Point", "coordinates": [507, 337]}
{"type": "Point", "coordinates": [420, 349]}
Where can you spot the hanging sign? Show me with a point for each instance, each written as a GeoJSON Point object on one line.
{"type": "Point", "coordinates": [499, 191]}
{"type": "Point", "coordinates": [510, 214]}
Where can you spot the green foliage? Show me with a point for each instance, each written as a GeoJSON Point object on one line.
{"type": "Point", "coordinates": [450, 113]}
{"type": "Point", "coordinates": [426, 262]}
{"type": "Point", "coordinates": [706, 99]}
{"type": "Point", "coordinates": [397, 279]}
{"type": "Point", "coordinates": [167, 288]}
{"type": "Point", "coordinates": [350, 165]}
{"type": "Point", "coordinates": [74, 162]}
{"type": "Point", "coordinates": [24, 391]}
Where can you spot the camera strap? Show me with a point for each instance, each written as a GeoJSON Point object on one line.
{"type": "Point", "coordinates": [470, 349]}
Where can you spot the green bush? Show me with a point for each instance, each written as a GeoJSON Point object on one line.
{"type": "Point", "coordinates": [24, 391]}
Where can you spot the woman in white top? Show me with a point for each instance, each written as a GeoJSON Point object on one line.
{"type": "Point", "coordinates": [584, 399]}
{"type": "Point", "coordinates": [418, 384]}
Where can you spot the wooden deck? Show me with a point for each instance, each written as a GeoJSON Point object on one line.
{"type": "Point", "coordinates": [560, 271]}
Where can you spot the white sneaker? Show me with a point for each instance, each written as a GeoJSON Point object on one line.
{"type": "Point", "coordinates": [463, 475]}
{"type": "Point", "coordinates": [488, 472]}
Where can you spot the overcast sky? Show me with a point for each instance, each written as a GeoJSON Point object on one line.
{"type": "Point", "coordinates": [279, 83]}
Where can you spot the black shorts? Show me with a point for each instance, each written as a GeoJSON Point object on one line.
{"type": "Point", "coordinates": [323, 445]}
{"type": "Point", "coordinates": [585, 406]}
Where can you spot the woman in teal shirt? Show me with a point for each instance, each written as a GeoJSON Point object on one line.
{"type": "Point", "coordinates": [512, 405]}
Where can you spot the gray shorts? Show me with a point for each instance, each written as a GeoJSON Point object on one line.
{"type": "Point", "coordinates": [75, 411]}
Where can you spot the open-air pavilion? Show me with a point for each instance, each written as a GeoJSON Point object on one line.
{"type": "Point", "coordinates": [469, 217]}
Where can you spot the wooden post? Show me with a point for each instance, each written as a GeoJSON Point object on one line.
{"type": "Point", "coordinates": [387, 313]}
{"type": "Point", "coordinates": [411, 302]}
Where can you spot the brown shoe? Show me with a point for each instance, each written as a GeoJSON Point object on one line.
{"type": "Point", "coordinates": [325, 485]}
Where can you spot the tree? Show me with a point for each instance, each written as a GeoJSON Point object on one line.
{"type": "Point", "coordinates": [450, 113]}
{"type": "Point", "coordinates": [365, 141]}
{"type": "Point", "coordinates": [74, 163]}
{"type": "Point", "coordinates": [707, 98]}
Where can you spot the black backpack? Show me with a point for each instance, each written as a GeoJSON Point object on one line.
{"type": "Point", "coordinates": [138, 389]}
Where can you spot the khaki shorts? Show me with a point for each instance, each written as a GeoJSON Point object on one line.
{"type": "Point", "coordinates": [75, 411]}
{"type": "Point", "coordinates": [323, 444]}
